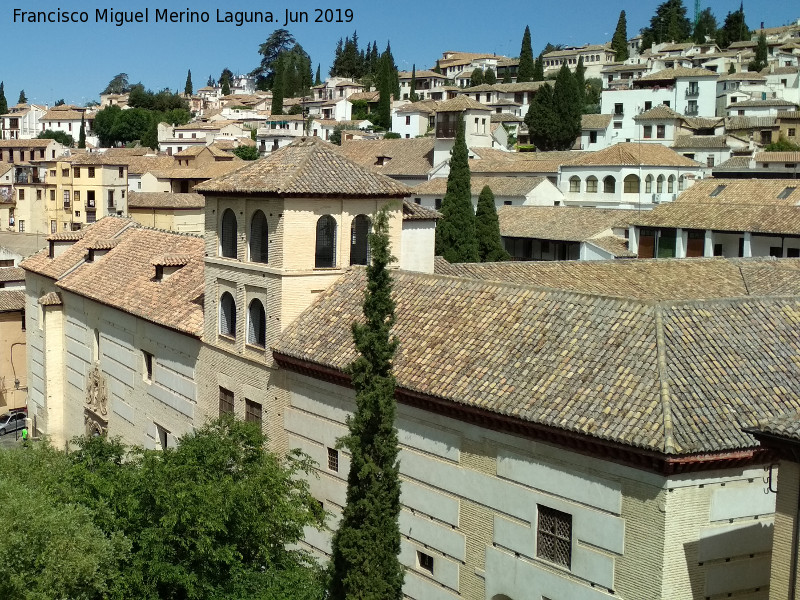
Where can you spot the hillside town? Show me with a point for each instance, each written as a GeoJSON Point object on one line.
{"type": "Point", "coordinates": [597, 393]}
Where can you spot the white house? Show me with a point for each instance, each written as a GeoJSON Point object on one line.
{"type": "Point", "coordinates": [507, 191]}
{"type": "Point", "coordinates": [478, 126]}
{"type": "Point", "coordinates": [21, 122]}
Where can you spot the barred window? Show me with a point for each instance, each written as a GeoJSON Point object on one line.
{"type": "Point", "coordinates": [333, 459]}
{"type": "Point", "coordinates": [326, 243]}
{"type": "Point", "coordinates": [591, 184]}
{"type": "Point", "coordinates": [554, 536]}
{"type": "Point", "coordinates": [359, 240]}
{"type": "Point", "coordinates": [252, 411]}
{"type": "Point", "coordinates": [648, 184]}
{"type": "Point", "coordinates": [574, 184]}
{"type": "Point", "coordinates": [630, 185]}
{"type": "Point", "coordinates": [225, 401]}
{"type": "Point", "coordinates": [259, 237]}
{"type": "Point", "coordinates": [228, 241]}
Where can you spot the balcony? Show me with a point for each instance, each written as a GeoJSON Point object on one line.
{"type": "Point", "coordinates": [90, 203]}
{"type": "Point", "coordinates": [445, 131]}
{"type": "Point", "coordinates": [692, 92]}
{"type": "Point", "coordinates": [691, 110]}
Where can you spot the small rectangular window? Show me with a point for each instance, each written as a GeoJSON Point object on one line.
{"type": "Point", "coordinates": [147, 370]}
{"type": "Point", "coordinates": [793, 253]}
{"type": "Point", "coordinates": [425, 562]}
{"type": "Point", "coordinates": [661, 131]}
{"type": "Point", "coordinates": [786, 192]}
{"type": "Point", "coordinates": [91, 172]}
{"type": "Point", "coordinates": [225, 401]}
{"type": "Point", "coordinates": [76, 172]}
{"type": "Point", "coordinates": [52, 194]}
{"type": "Point", "coordinates": [333, 460]}
{"type": "Point", "coordinates": [162, 436]}
{"type": "Point", "coordinates": [437, 203]}
{"type": "Point", "coordinates": [122, 171]}
{"type": "Point", "coordinates": [554, 536]}
{"type": "Point", "coordinates": [252, 411]}
{"type": "Point", "coordinates": [776, 251]}
{"type": "Point", "coordinates": [64, 173]}
{"type": "Point", "coordinates": [648, 131]}
{"type": "Point", "coordinates": [717, 191]}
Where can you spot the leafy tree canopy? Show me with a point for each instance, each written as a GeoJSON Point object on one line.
{"type": "Point", "coordinates": [706, 26]}
{"type": "Point", "coordinates": [734, 29]}
{"type": "Point", "coordinates": [669, 24]}
{"type": "Point", "coordinates": [477, 77]}
{"type": "Point", "coordinates": [23, 99]}
{"type": "Point", "coordinates": [246, 152]}
{"type": "Point", "coordinates": [59, 136]}
{"type": "Point", "coordinates": [118, 85]}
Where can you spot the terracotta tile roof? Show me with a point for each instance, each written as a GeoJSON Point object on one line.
{"type": "Point", "coordinates": [703, 122]}
{"type": "Point", "coordinates": [459, 104]}
{"type": "Point", "coordinates": [12, 274]}
{"type": "Point", "coordinates": [595, 121]}
{"type": "Point", "coordinates": [527, 167]}
{"type": "Point", "coordinates": [172, 260]}
{"type": "Point", "coordinates": [671, 377]}
{"type": "Point", "coordinates": [12, 300]}
{"type": "Point", "coordinates": [195, 150]}
{"type": "Point", "coordinates": [738, 123]}
{"type": "Point", "coordinates": [51, 299]}
{"type": "Point", "coordinates": [700, 141]}
{"type": "Point", "coordinates": [506, 118]}
{"type": "Point", "coordinates": [65, 236]}
{"type": "Point", "coordinates": [124, 277]}
{"type": "Point", "coordinates": [423, 106]}
{"type": "Point", "coordinates": [671, 74]}
{"type": "Point", "coordinates": [34, 143]}
{"type": "Point", "coordinates": [138, 165]}
{"type": "Point", "coordinates": [165, 200]}
{"type": "Point", "coordinates": [206, 171]}
{"type": "Point", "coordinates": [767, 102]}
{"type": "Point", "coordinates": [773, 70]}
{"type": "Point", "coordinates": [401, 157]}
{"type": "Point", "coordinates": [415, 212]}
{"type": "Point", "coordinates": [501, 186]}
{"type": "Point", "coordinates": [658, 113]}
{"type": "Point", "coordinates": [778, 157]}
{"type": "Point", "coordinates": [785, 426]}
{"type": "Point", "coordinates": [421, 74]}
{"type": "Point", "coordinates": [743, 44]}
{"type": "Point", "coordinates": [632, 154]}
{"type": "Point", "coordinates": [523, 86]}
{"type": "Point", "coordinates": [616, 246]}
{"type": "Point", "coordinates": [736, 163]}
{"type": "Point", "coordinates": [101, 244]}
{"type": "Point", "coordinates": [571, 224]}
{"type": "Point", "coordinates": [677, 47]}
{"type": "Point", "coordinates": [368, 96]}
{"type": "Point", "coordinates": [778, 220]}
{"type": "Point", "coordinates": [57, 113]}
{"type": "Point", "coordinates": [741, 191]}
{"type": "Point", "coordinates": [789, 114]}
{"type": "Point", "coordinates": [96, 158]}
{"type": "Point", "coordinates": [306, 167]}
{"type": "Point", "coordinates": [742, 76]}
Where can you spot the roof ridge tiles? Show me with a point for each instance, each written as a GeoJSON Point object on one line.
{"type": "Point", "coordinates": [663, 377]}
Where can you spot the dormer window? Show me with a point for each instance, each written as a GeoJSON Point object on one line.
{"type": "Point", "coordinates": [382, 160]}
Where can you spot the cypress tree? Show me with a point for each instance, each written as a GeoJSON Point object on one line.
{"type": "Point", "coordinates": [567, 109]}
{"type": "Point", "coordinates": [526, 67]}
{"type": "Point", "coordinates": [487, 229]}
{"type": "Point", "coordinates": [383, 118]}
{"type": "Point", "coordinates": [82, 134]}
{"type": "Point", "coordinates": [188, 89]}
{"type": "Point", "coordinates": [318, 79]}
{"type": "Point", "coordinates": [366, 545]}
{"type": "Point", "coordinates": [580, 85]}
{"type": "Point", "coordinates": [619, 43]}
{"type": "Point", "coordinates": [507, 75]}
{"type": "Point", "coordinates": [394, 77]}
{"type": "Point", "coordinates": [541, 119]}
{"type": "Point", "coordinates": [489, 76]}
{"type": "Point", "coordinates": [23, 99]}
{"type": "Point", "coordinates": [538, 68]}
{"type": "Point", "coordinates": [413, 96]}
{"type": "Point", "coordinates": [760, 60]}
{"type": "Point", "coordinates": [277, 89]}
{"type": "Point", "coordinates": [437, 68]}
{"type": "Point", "coordinates": [226, 86]}
{"type": "Point", "coordinates": [476, 78]}
{"type": "Point", "coordinates": [455, 233]}
{"type": "Point", "coordinates": [3, 101]}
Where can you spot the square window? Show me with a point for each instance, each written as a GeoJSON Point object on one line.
{"type": "Point", "coordinates": [225, 401]}
{"type": "Point", "coordinates": [425, 562]}
{"type": "Point", "coordinates": [333, 460]}
{"type": "Point", "coordinates": [661, 131]}
{"type": "Point", "coordinates": [147, 370]}
{"type": "Point", "coordinates": [554, 536]}
{"type": "Point", "coordinates": [618, 125]}
{"type": "Point", "coordinates": [648, 131]}
{"type": "Point", "coordinates": [252, 411]}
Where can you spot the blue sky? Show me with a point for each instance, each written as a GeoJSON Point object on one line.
{"type": "Point", "coordinates": [75, 61]}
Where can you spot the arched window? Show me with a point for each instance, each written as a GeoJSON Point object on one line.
{"type": "Point", "coordinates": [671, 184]}
{"type": "Point", "coordinates": [324, 256]}
{"type": "Point", "coordinates": [574, 184]}
{"type": "Point", "coordinates": [660, 184]}
{"type": "Point", "coordinates": [256, 324]}
{"type": "Point", "coordinates": [227, 315]}
{"type": "Point", "coordinates": [630, 185]}
{"type": "Point", "coordinates": [681, 183]}
{"type": "Point", "coordinates": [648, 184]}
{"type": "Point", "coordinates": [259, 250]}
{"type": "Point", "coordinates": [359, 240]}
{"type": "Point", "coordinates": [228, 238]}
{"type": "Point", "coordinates": [591, 184]}
{"type": "Point", "coordinates": [609, 185]}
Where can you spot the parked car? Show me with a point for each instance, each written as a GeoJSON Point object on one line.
{"type": "Point", "coordinates": [10, 422]}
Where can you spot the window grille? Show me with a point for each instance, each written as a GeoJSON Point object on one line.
{"type": "Point", "coordinates": [326, 242]}
{"type": "Point", "coordinates": [225, 401]}
{"type": "Point", "coordinates": [259, 237]}
{"type": "Point", "coordinates": [554, 536]}
{"type": "Point", "coordinates": [252, 411]}
{"type": "Point", "coordinates": [359, 240]}
{"type": "Point", "coordinates": [228, 234]}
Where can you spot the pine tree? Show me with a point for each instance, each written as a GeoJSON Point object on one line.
{"type": "Point", "coordinates": [23, 99]}
{"type": "Point", "coordinates": [732, 69]}
{"type": "Point", "coordinates": [538, 68]}
{"type": "Point", "coordinates": [366, 545]}
{"type": "Point", "coordinates": [437, 68]}
{"type": "Point", "coordinates": [526, 67]}
{"type": "Point", "coordinates": [3, 101]}
{"type": "Point", "coordinates": [487, 229]}
{"type": "Point", "coordinates": [542, 120]}
{"type": "Point", "coordinates": [619, 43]}
{"type": "Point", "coordinates": [188, 89]}
{"type": "Point", "coordinates": [455, 232]}
{"type": "Point", "coordinates": [760, 60]}
{"type": "Point", "coordinates": [669, 24]}
{"type": "Point", "coordinates": [734, 29]}
{"type": "Point", "coordinates": [394, 87]}
{"type": "Point", "coordinates": [567, 108]}
{"type": "Point", "coordinates": [706, 26]}
{"type": "Point", "coordinates": [383, 118]}
{"type": "Point", "coordinates": [226, 86]}
{"type": "Point", "coordinates": [278, 89]}
{"type": "Point", "coordinates": [337, 59]}
{"type": "Point", "coordinates": [489, 77]}
{"type": "Point", "coordinates": [318, 79]}
{"type": "Point", "coordinates": [211, 82]}
{"type": "Point", "coordinates": [82, 134]}
{"type": "Point", "coordinates": [413, 96]}
{"type": "Point", "coordinates": [580, 85]}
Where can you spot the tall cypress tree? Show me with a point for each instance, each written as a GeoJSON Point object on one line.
{"type": "Point", "coordinates": [487, 229]}
{"type": "Point", "coordinates": [3, 101]}
{"type": "Point", "coordinates": [455, 233]}
{"type": "Point", "coordinates": [413, 96]}
{"type": "Point", "coordinates": [188, 89]}
{"type": "Point", "coordinates": [318, 79]}
{"type": "Point", "coordinates": [507, 75]}
{"type": "Point", "coordinates": [619, 43]}
{"type": "Point", "coordinates": [760, 60]}
{"type": "Point", "coordinates": [82, 134]}
{"type": "Point", "coordinates": [367, 543]}
{"type": "Point", "coordinates": [525, 69]}
{"type": "Point", "coordinates": [567, 108]}
{"type": "Point", "coordinates": [23, 99]}
{"type": "Point", "coordinates": [538, 68]}
{"type": "Point", "coordinates": [541, 119]}
{"type": "Point", "coordinates": [383, 118]}
{"type": "Point", "coordinates": [278, 89]}
{"type": "Point", "coordinates": [226, 86]}
{"type": "Point", "coordinates": [580, 85]}
{"type": "Point", "coordinates": [489, 76]}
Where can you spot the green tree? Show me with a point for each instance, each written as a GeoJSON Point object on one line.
{"type": "Point", "coordinates": [538, 68]}
{"type": "Point", "coordinates": [619, 43]}
{"type": "Point", "coordinates": [568, 108]}
{"type": "Point", "coordinates": [734, 29]}
{"type": "Point", "coordinates": [507, 75]}
{"type": "Point", "coordinates": [364, 561]}
{"type": "Point", "coordinates": [118, 85]}
{"type": "Point", "coordinates": [225, 83]}
{"type": "Point", "coordinates": [669, 24]}
{"type": "Point", "coordinates": [525, 69]}
{"type": "Point", "coordinates": [277, 92]}
{"type": "Point", "coordinates": [59, 136]}
{"type": "Point", "coordinates": [455, 233]}
{"type": "Point", "coordinates": [489, 76]}
{"type": "Point", "coordinates": [782, 145]}
{"type": "Point", "coordinates": [437, 68]}
{"type": "Point", "coordinates": [542, 120]}
{"type": "Point", "coordinates": [188, 89]}
{"type": "Point", "coordinates": [732, 69]}
{"type": "Point", "coordinates": [23, 99]}
{"type": "Point", "coordinates": [82, 133]}
{"type": "Point", "coordinates": [318, 79]}
{"type": "Point", "coordinates": [413, 97]}
{"type": "Point", "coordinates": [706, 26]}
{"type": "Point", "coordinates": [477, 77]}
{"type": "Point", "coordinates": [580, 85]}
{"type": "Point", "coordinates": [280, 40]}
{"type": "Point", "coordinates": [760, 60]}
{"type": "Point", "coordinates": [3, 101]}
{"type": "Point", "coordinates": [246, 152]}
{"type": "Point", "coordinates": [383, 117]}
{"type": "Point", "coordinates": [487, 229]}
{"type": "Point", "coordinates": [104, 124]}
{"type": "Point", "coordinates": [59, 102]}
